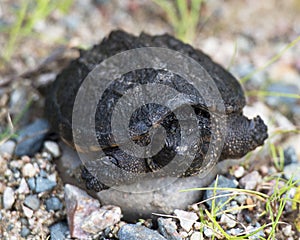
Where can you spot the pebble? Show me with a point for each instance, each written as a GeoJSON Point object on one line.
{"type": "Point", "coordinates": [196, 236]}
{"type": "Point", "coordinates": [31, 183]}
{"type": "Point", "coordinates": [23, 188]}
{"type": "Point", "coordinates": [102, 218]}
{"type": "Point", "coordinates": [8, 198]}
{"type": "Point", "coordinates": [52, 148]}
{"type": "Point", "coordinates": [235, 231]}
{"type": "Point", "coordinates": [8, 147]}
{"type": "Point", "coordinates": [79, 205]}
{"type": "Point", "coordinates": [44, 184]}
{"type": "Point", "coordinates": [292, 171]}
{"type": "Point", "coordinates": [239, 172]}
{"type": "Point", "coordinates": [287, 230]}
{"type": "Point", "coordinates": [25, 232]}
{"type": "Point", "coordinates": [3, 165]}
{"type": "Point", "coordinates": [234, 207]}
{"type": "Point", "coordinates": [31, 138]}
{"type": "Point", "coordinates": [229, 220]}
{"type": "Point", "coordinates": [250, 180]}
{"type": "Point", "coordinates": [2, 187]}
{"type": "Point", "coordinates": [136, 232]}
{"type": "Point", "coordinates": [32, 201]}
{"type": "Point", "coordinates": [247, 218]}
{"type": "Point", "coordinates": [27, 212]}
{"type": "Point", "coordinates": [290, 156]}
{"type": "Point", "coordinates": [208, 232]}
{"type": "Point", "coordinates": [59, 231]}
{"type": "Point", "coordinates": [257, 235]}
{"type": "Point", "coordinates": [28, 170]}
{"type": "Point", "coordinates": [223, 182]}
{"type": "Point", "coordinates": [53, 203]}
{"type": "Point", "coordinates": [167, 227]}
{"type": "Point", "coordinates": [186, 219]}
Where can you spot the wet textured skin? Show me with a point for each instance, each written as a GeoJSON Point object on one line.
{"type": "Point", "coordinates": [241, 135]}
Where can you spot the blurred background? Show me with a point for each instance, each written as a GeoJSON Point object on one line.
{"type": "Point", "coordinates": [257, 41]}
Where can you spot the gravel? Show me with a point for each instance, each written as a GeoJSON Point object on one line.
{"type": "Point", "coordinates": [32, 201]}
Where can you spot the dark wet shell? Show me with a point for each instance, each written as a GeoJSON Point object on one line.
{"type": "Point", "coordinates": [60, 101]}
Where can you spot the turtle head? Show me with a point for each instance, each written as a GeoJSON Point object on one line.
{"type": "Point", "coordinates": [243, 136]}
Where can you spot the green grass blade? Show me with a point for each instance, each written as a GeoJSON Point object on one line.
{"type": "Point", "coordinates": [271, 61]}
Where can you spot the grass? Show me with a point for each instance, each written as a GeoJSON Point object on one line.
{"type": "Point", "coordinates": [10, 130]}
{"type": "Point", "coordinates": [27, 14]}
{"type": "Point", "coordinates": [183, 16]}
{"type": "Point", "coordinates": [274, 205]}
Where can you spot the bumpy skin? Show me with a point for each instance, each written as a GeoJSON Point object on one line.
{"type": "Point", "coordinates": [241, 135]}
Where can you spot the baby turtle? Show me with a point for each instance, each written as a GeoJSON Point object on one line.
{"type": "Point", "coordinates": [240, 136]}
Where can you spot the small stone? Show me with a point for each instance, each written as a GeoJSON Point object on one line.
{"type": "Point", "coordinates": [59, 230]}
{"type": "Point", "coordinates": [3, 165]}
{"type": "Point", "coordinates": [136, 232]}
{"type": "Point", "coordinates": [234, 207]}
{"type": "Point", "coordinates": [44, 184]}
{"type": "Point", "coordinates": [52, 148]}
{"type": "Point", "coordinates": [196, 236]}
{"type": "Point", "coordinates": [249, 203]}
{"type": "Point", "coordinates": [31, 138]}
{"type": "Point", "coordinates": [290, 156]}
{"type": "Point", "coordinates": [7, 148]}
{"type": "Point", "coordinates": [287, 230]}
{"type": "Point", "coordinates": [31, 183]}
{"type": "Point", "coordinates": [27, 212]}
{"type": "Point", "coordinates": [239, 172]}
{"type": "Point", "coordinates": [241, 199]}
{"type": "Point", "coordinates": [251, 180]}
{"type": "Point", "coordinates": [198, 225]}
{"type": "Point", "coordinates": [32, 202]}
{"type": "Point", "coordinates": [223, 182]}
{"type": "Point", "coordinates": [102, 218]}
{"type": "Point", "coordinates": [79, 205]}
{"type": "Point", "coordinates": [187, 219]}
{"type": "Point", "coordinates": [208, 232]}
{"type": "Point", "coordinates": [167, 227]}
{"type": "Point", "coordinates": [53, 203]}
{"type": "Point", "coordinates": [8, 198]}
{"type": "Point", "coordinates": [28, 170]}
{"type": "Point", "coordinates": [292, 171]}
{"type": "Point", "coordinates": [235, 231]}
{"type": "Point", "coordinates": [183, 234]}
{"type": "Point", "coordinates": [228, 219]}
{"type": "Point", "coordinates": [2, 187]}
{"type": "Point", "coordinates": [23, 188]}
{"type": "Point", "coordinates": [247, 218]}
{"type": "Point", "coordinates": [25, 232]}
{"type": "Point", "coordinates": [264, 169]}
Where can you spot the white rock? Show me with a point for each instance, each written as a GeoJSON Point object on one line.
{"type": "Point", "coordinates": [102, 218]}
{"type": "Point", "coordinates": [28, 170]}
{"type": "Point", "coordinates": [7, 148]}
{"type": "Point", "coordinates": [23, 188]}
{"type": "Point", "coordinates": [239, 172]}
{"type": "Point", "coordinates": [229, 220]}
{"type": "Point", "coordinates": [187, 219]}
{"type": "Point", "coordinates": [8, 198]}
{"type": "Point", "coordinates": [27, 212]}
{"type": "Point", "coordinates": [52, 148]}
{"type": "Point", "coordinates": [196, 236]}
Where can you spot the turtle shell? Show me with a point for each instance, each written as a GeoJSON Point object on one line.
{"type": "Point", "coordinates": [233, 140]}
{"type": "Point", "coordinates": [60, 100]}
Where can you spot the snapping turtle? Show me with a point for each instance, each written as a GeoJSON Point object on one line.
{"type": "Point", "coordinates": [240, 136]}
